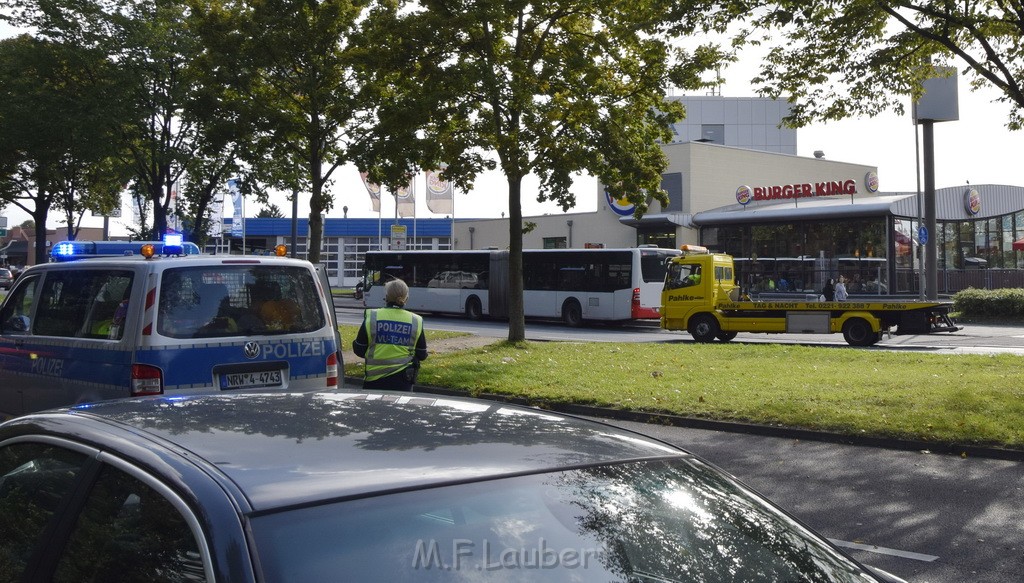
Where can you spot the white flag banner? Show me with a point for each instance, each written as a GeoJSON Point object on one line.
{"type": "Point", "coordinates": [173, 221]}
{"type": "Point", "coordinates": [406, 199]}
{"type": "Point", "coordinates": [373, 190]}
{"type": "Point", "coordinates": [439, 193]}
{"type": "Point", "coordinates": [216, 227]}
{"type": "Point", "coordinates": [236, 199]}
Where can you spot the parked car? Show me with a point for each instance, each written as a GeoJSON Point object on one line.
{"type": "Point", "coordinates": [390, 487]}
{"type": "Point", "coordinates": [6, 278]}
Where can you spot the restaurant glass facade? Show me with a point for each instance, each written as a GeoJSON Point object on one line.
{"type": "Point", "coordinates": [804, 254]}
{"type": "Point", "coordinates": [801, 256]}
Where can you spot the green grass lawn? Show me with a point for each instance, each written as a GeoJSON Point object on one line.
{"type": "Point", "coordinates": [944, 398]}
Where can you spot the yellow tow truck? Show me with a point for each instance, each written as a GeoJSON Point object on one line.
{"type": "Point", "coordinates": [701, 297]}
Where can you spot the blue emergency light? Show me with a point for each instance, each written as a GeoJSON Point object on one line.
{"type": "Point", "coordinates": [173, 244]}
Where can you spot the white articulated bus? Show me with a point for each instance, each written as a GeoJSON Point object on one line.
{"type": "Point", "coordinates": [573, 285]}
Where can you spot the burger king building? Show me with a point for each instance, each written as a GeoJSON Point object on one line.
{"type": "Point", "coordinates": [735, 185]}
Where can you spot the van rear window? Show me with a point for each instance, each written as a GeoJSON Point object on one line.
{"type": "Point", "coordinates": [238, 300]}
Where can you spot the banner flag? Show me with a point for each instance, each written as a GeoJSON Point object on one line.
{"type": "Point", "coordinates": [173, 220]}
{"type": "Point", "coordinates": [406, 199]}
{"type": "Point", "coordinates": [373, 190]}
{"type": "Point", "coordinates": [236, 199]}
{"type": "Point", "coordinates": [439, 193]}
{"type": "Point", "coordinates": [216, 224]}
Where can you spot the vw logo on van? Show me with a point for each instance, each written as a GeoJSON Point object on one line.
{"type": "Point", "coordinates": [252, 349]}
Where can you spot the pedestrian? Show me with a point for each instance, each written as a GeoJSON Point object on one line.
{"type": "Point", "coordinates": [829, 291]}
{"type": "Point", "coordinates": [392, 341]}
{"type": "Point", "coordinates": [840, 290]}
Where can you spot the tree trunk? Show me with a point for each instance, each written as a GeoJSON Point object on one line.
{"type": "Point", "coordinates": [317, 204]}
{"type": "Point", "coordinates": [39, 215]}
{"type": "Point", "coordinates": [516, 317]}
{"type": "Point", "coordinates": [156, 196]}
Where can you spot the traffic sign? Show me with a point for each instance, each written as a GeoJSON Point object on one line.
{"type": "Point", "coordinates": [398, 235]}
{"type": "Point", "coordinates": [3, 232]}
{"type": "Point", "coordinates": [922, 235]}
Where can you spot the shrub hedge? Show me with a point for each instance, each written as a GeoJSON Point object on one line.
{"type": "Point", "coordinates": [995, 303]}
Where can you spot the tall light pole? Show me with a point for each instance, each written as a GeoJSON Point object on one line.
{"type": "Point", "coordinates": [939, 103]}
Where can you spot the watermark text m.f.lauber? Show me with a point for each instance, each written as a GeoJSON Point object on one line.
{"type": "Point", "coordinates": [484, 556]}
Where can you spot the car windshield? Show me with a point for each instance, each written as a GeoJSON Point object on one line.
{"type": "Point", "coordinates": [238, 300]}
{"type": "Point", "coordinates": [654, 521]}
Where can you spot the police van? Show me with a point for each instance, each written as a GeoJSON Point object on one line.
{"type": "Point", "coordinates": [101, 323]}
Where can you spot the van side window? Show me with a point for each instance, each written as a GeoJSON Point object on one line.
{"type": "Point", "coordinates": [81, 303]}
{"type": "Point", "coordinates": [16, 317]}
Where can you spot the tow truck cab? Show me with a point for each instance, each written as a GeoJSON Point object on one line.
{"type": "Point", "coordinates": [696, 280]}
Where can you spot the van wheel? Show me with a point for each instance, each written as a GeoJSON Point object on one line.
{"type": "Point", "coordinates": [473, 309]}
{"type": "Point", "coordinates": [857, 332]}
{"type": "Point", "coordinates": [725, 336]}
{"type": "Point", "coordinates": [703, 328]}
{"type": "Point", "coordinates": [572, 313]}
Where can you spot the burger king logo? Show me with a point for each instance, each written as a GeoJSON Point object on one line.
{"type": "Point", "coordinates": [871, 182]}
{"type": "Point", "coordinates": [620, 206]}
{"type": "Point", "coordinates": [744, 195]}
{"type": "Point", "coordinates": [972, 201]}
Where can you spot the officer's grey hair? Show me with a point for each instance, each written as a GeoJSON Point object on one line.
{"type": "Point", "coordinates": [396, 292]}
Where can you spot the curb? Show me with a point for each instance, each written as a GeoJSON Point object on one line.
{"type": "Point", "coordinates": [957, 449]}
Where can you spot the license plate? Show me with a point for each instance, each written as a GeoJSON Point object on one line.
{"type": "Point", "coordinates": [251, 380]}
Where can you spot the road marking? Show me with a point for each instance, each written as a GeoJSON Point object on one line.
{"type": "Point", "coordinates": [883, 550]}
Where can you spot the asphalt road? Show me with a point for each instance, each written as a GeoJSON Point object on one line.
{"type": "Point", "coordinates": [925, 517]}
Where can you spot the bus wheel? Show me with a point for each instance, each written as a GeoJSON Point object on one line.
{"type": "Point", "coordinates": [473, 309]}
{"type": "Point", "coordinates": [725, 336]}
{"type": "Point", "coordinates": [703, 327]}
{"type": "Point", "coordinates": [572, 313]}
{"type": "Point", "coordinates": [857, 332]}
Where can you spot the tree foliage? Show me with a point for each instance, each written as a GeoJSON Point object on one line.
{"type": "Point", "coordinates": [271, 211]}
{"type": "Point", "coordinates": [183, 126]}
{"type": "Point", "coordinates": [842, 58]}
{"type": "Point", "coordinates": [550, 88]}
{"type": "Point", "coordinates": [59, 111]}
{"type": "Point", "coordinates": [290, 64]}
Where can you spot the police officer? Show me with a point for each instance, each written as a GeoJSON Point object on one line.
{"type": "Point", "coordinates": [392, 341]}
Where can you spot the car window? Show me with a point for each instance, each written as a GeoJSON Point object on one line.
{"type": "Point", "coordinates": [127, 532]}
{"type": "Point", "coordinates": [34, 479]}
{"type": "Point", "coordinates": [238, 300]}
{"type": "Point", "coordinates": [652, 521]}
{"type": "Point", "coordinates": [81, 303]}
{"type": "Point", "coordinates": [17, 311]}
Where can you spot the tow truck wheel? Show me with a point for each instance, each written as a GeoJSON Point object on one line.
{"type": "Point", "coordinates": [725, 336]}
{"type": "Point", "coordinates": [857, 332]}
{"type": "Point", "coordinates": [703, 327]}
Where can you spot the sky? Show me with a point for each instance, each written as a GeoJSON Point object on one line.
{"type": "Point", "coordinates": [977, 149]}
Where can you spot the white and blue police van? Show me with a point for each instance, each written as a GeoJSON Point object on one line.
{"type": "Point", "coordinates": [105, 321]}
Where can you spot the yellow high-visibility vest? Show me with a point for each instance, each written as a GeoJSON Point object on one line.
{"type": "Point", "coordinates": [391, 335]}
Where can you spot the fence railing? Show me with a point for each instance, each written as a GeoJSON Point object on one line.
{"type": "Point", "coordinates": [951, 281]}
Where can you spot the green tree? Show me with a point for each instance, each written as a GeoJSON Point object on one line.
{"type": "Point", "coordinates": [59, 107]}
{"type": "Point", "coordinates": [185, 128]}
{"type": "Point", "coordinates": [836, 59]}
{"type": "Point", "coordinates": [271, 211]}
{"type": "Point", "coordinates": [549, 88]}
{"type": "Point", "coordinates": [291, 59]}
